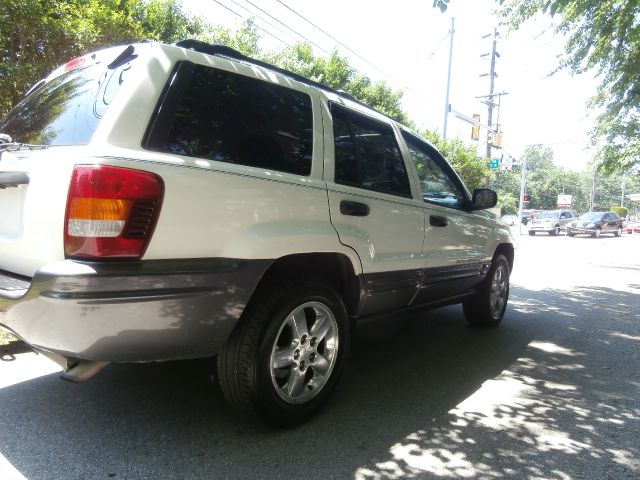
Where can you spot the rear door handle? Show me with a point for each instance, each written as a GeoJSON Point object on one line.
{"type": "Point", "coordinates": [354, 209]}
{"type": "Point", "coordinates": [438, 221]}
{"type": "Point", "coordinates": [13, 179]}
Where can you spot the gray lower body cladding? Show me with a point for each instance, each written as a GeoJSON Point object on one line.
{"type": "Point", "coordinates": [131, 311]}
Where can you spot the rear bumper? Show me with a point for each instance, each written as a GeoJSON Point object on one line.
{"type": "Point", "coordinates": [130, 311]}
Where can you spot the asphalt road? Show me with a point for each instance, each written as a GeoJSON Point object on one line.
{"type": "Point", "coordinates": [554, 393]}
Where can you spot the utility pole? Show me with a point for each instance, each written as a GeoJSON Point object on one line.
{"type": "Point", "coordinates": [490, 103]}
{"type": "Point", "coordinates": [447, 106]}
{"type": "Point", "coordinates": [490, 98]}
{"type": "Point", "coordinates": [593, 188]}
{"type": "Point", "coordinates": [523, 189]}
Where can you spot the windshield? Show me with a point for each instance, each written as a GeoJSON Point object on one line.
{"type": "Point", "coordinates": [591, 216]}
{"type": "Point", "coordinates": [66, 110]}
{"type": "Point", "coordinates": [550, 214]}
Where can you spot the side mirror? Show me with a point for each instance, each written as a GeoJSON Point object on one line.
{"type": "Point", "coordinates": [483, 198]}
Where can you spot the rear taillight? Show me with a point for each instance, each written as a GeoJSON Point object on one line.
{"type": "Point", "coordinates": [111, 212]}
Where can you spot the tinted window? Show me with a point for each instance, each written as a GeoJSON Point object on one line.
{"type": "Point", "coordinates": [367, 154]}
{"type": "Point", "coordinates": [231, 118]}
{"type": "Point", "coordinates": [437, 184]}
{"type": "Point", "coordinates": [66, 110]}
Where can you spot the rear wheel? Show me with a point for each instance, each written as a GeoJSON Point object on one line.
{"type": "Point", "coordinates": [285, 356]}
{"type": "Point", "coordinates": [487, 307]}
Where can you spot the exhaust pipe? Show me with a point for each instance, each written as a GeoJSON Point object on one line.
{"type": "Point", "coordinates": [83, 371]}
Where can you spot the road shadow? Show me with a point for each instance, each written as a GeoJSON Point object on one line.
{"type": "Point", "coordinates": [550, 394]}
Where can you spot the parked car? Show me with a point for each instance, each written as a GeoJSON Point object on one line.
{"type": "Point", "coordinates": [510, 220]}
{"type": "Point", "coordinates": [551, 222]}
{"type": "Point", "coordinates": [632, 227]}
{"type": "Point", "coordinates": [596, 224]}
{"type": "Point", "coordinates": [165, 202]}
{"type": "Point", "coordinates": [526, 216]}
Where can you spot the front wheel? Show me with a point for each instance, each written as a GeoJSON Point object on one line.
{"type": "Point", "coordinates": [486, 308]}
{"type": "Point", "coordinates": [285, 356]}
{"type": "Point", "coordinates": [555, 231]}
{"type": "Point", "coordinates": [597, 233]}
{"type": "Point", "coordinates": [532, 232]}
{"type": "Point", "coordinates": [618, 231]}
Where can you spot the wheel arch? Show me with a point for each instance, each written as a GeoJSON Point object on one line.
{"type": "Point", "coordinates": [333, 268]}
{"type": "Point", "coordinates": [507, 250]}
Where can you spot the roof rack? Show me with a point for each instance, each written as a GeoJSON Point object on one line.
{"type": "Point", "coordinates": [220, 50]}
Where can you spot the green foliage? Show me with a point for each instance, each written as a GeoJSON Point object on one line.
{"type": "Point", "coordinates": [603, 35]}
{"type": "Point", "coordinates": [39, 35]}
{"type": "Point", "coordinates": [545, 181]}
{"type": "Point", "coordinates": [336, 72]}
{"type": "Point", "coordinates": [441, 4]}
{"type": "Point", "coordinates": [622, 211]}
{"type": "Point", "coordinates": [472, 168]}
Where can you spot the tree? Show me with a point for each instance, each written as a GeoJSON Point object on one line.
{"type": "Point", "coordinates": [39, 35]}
{"type": "Point", "coordinates": [603, 35]}
{"type": "Point", "coordinates": [336, 73]}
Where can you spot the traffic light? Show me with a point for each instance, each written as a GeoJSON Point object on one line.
{"type": "Point", "coordinates": [475, 130]}
{"type": "Point", "coordinates": [497, 140]}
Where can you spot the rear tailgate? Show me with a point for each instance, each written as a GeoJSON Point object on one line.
{"type": "Point", "coordinates": [32, 210]}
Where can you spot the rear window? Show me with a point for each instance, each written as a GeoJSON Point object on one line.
{"type": "Point", "coordinates": [66, 110]}
{"type": "Point", "coordinates": [217, 115]}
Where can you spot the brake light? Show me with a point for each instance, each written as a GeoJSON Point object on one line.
{"type": "Point", "coordinates": [111, 212]}
{"type": "Point", "coordinates": [75, 63]}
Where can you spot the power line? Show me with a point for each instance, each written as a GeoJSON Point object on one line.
{"type": "Point", "coordinates": [288, 27]}
{"type": "Point", "coordinates": [254, 14]}
{"type": "Point", "coordinates": [242, 16]}
{"type": "Point", "coordinates": [398, 82]}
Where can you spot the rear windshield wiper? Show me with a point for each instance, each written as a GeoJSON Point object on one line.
{"type": "Point", "coordinates": [8, 145]}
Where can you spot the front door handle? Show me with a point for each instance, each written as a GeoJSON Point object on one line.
{"type": "Point", "coordinates": [438, 221]}
{"type": "Point", "coordinates": [354, 209]}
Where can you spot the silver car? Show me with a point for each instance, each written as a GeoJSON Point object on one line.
{"type": "Point", "coordinates": [551, 222]}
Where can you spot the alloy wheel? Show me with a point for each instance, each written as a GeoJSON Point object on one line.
{"type": "Point", "coordinates": [304, 352]}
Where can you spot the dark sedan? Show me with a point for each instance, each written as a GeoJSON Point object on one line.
{"type": "Point", "coordinates": [596, 224]}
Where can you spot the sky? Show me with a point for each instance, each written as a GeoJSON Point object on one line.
{"type": "Point", "coordinates": [406, 44]}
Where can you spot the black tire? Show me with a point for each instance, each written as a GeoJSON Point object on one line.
{"type": "Point", "coordinates": [555, 231]}
{"type": "Point", "coordinates": [487, 307]}
{"type": "Point", "coordinates": [246, 364]}
{"type": "Point", "coordinates": [618, 232]}
{"type": "Point", "coordinates": [571, 234]}
{"type": "Point", "coordinates": [597, 233]}
{"type": "Point", "coordinates": [532, 232]}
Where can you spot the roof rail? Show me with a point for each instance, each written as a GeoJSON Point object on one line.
{"type": "Point", "coordinates": [220, 50]}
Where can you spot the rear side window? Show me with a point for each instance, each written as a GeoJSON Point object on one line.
{"type": "Point", "coordinates": [66, 110]}
{"type": "Point", "coordinates": [226, 117]}
{"type": "Point", "coordinates": [367, 154]}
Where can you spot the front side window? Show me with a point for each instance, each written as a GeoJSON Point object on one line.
{"type": "Point", "coordinates": [437, 184]}
{"type": "Point", "coordinates": [231, 118]}
{"type": "Point", "coordinates": [367, 154]}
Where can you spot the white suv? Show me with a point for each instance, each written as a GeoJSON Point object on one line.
{"type": "Point", "coordinates": [166, 202]}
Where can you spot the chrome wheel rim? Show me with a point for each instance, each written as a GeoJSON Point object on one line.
{"type": "Point", "coordinates": [304, 352]}
{"type": "Point", "coordinates": [499, 291]}
{"type": "Point", "coordinates": [597, 232]}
